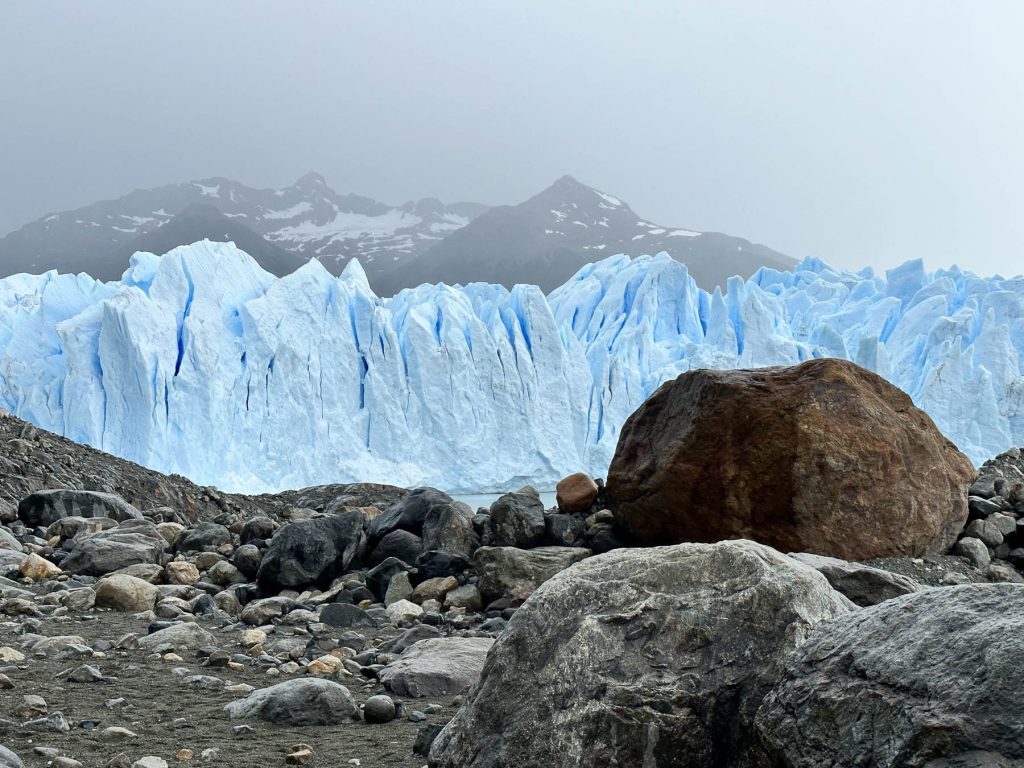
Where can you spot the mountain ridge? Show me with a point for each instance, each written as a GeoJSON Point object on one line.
{"type": "Point", "coordinates": [543, 240]}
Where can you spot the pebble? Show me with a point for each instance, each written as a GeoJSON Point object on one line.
{"type": "Point", "coordinates": [54, 722]}
{"type": "Point", "coordinates": [150, 761]}
{"type": "Point", "coordinates": [8, 654]}
{"type": "Point", "coordinates": [185, 754]}
{"type": "Point", "coordinates": [65, 762]}
{"type": "Point", "coordinates": [116, 733]}
{"type": "Point", "coordinates": [300, 754]}
{"type": "Point", "coordinates": [243, 730]}
{"type": "Point", "coordinates": [83, 674]}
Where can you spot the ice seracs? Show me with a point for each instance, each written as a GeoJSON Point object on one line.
{"type": "Point", "coordinates": [201, 363]}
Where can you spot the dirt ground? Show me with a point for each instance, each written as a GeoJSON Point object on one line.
{"type": "Point", "coordinates": [157, 697]}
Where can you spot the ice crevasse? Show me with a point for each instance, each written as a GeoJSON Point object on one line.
{"type": "Point", "coordinates": [199, 362]}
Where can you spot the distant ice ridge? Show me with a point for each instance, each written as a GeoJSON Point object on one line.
{"type": "Point", "coordinates": [201, 363]}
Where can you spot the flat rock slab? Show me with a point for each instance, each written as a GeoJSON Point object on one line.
{"type": "Point", "coordinates": [308, 701]}
{"type": "Point", "coordinates": [862, 584]}
{"type": "Point", "coordinates": [438, 667]}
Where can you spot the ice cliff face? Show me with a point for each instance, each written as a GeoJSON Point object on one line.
{"type": "Point", "coordinates": [201, 363]}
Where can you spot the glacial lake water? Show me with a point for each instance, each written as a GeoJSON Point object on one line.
{"type": "Point", "coordinates": [477, 500]}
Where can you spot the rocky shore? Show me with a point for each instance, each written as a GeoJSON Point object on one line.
{"type": "Point", "coordinates": [147, 621]}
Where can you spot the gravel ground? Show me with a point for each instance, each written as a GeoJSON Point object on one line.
{"type": "Point", "coordinates": [156, 698]}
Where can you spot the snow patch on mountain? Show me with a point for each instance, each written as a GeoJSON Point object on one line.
{"type": "Point", "coordinates": [201, 363]}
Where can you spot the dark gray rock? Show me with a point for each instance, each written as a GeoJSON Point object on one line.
{"type": "Point", "coordinates": [562, 530]}
{"type": "Point", "coordinates": [43, 508]}
{"type": "Point", "coordinates": [313, 551]}
{"type": "Point", "coordinates": [425, 738]}
{"type": "Point", "coordinates": [304, 701]}
{"type": "Point", "coordinates": [507, 572]}
{"type": "Point", "coordinates": [409, 513]}
{"type": "Point", "coordinates": [655, 657]}
{"type": "Point", "coordinates": [204, 537]}
{"type": "Point", "coordinates": [259, 528]}
{"type": "Point", "coordinates": [399, 544]}
{"type": "Point", "coordinates": [345, 615]}
{"type": "Point", "coordinates": [450, 529]}
{"type": "Point", "coordinates": [410, 636]}
{"type": "Point", "coordinates": [517, 520]}
{"type": "Point", "coordinates": [862, 584]}
{"type": "Point", "coordinates": [435, 564]}
{"type": "Point", "coordinates": [379, 577]}
{"type": "Point", "coordinates": [247, 559]}
{"type": "Point", "coordinates": [379, 709]}
{"type": "Point", "coordinates": [982, 507]}
{"type": "Point", "coordinates": [924, 677]}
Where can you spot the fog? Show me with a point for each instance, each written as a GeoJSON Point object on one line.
{"type": "Point", "coordinates": [865, 133]}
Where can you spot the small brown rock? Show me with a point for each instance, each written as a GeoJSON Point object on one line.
{"type": "Point", "coordinates": [576, 493]}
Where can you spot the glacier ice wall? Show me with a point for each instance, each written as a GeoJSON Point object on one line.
{"type": "Point", "coordinates": [201, 363]}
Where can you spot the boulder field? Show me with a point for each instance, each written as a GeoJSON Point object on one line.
{"type": "Point", "coordinates": [859, 607]}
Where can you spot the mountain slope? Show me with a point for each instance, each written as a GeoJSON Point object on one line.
{"type": "Point", "coordinates": [546, 239]}
{"type": "Point", "coordinates": [202, 221]}
{"type": "Point", "coordinates": [308, 218]}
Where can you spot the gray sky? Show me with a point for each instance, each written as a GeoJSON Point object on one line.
{"type": "Point", "coordinates": [862, 132]}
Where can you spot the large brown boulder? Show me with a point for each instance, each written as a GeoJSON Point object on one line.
{"type": "Point", "coordinates": [822, 457]}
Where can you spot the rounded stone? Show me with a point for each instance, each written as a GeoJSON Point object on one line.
{"type": "Point", "coordinates": [379, 709]}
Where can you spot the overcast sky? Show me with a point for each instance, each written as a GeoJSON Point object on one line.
{"type": "Point", "coordinates": [861, 132]}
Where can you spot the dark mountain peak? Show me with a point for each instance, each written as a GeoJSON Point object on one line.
{"type": "Point", "coordinates": [569, 190]}
{"type": "Point", "coordinates": [311, 180]}
{"type": "Point", "coordinates": [545, 239]}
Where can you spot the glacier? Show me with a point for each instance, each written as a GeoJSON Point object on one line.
{"type": "Point", "coordinates": [200, 363]}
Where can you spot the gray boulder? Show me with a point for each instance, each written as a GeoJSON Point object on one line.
{"type": "Point", "coordinates": [205, 537]}
{"type": "Point", "coordinates": [186, 635]}
{"type": "Point", "coordinates": [399, 544]}
{"type": "Point", "coordinates": [449, 529]}
{"type": "Point", "coordinates": [931, 676]}
{"type": "Point", "coordinates": [517, 520]}
{"type": "Point", "coordinates": [444, 666]}
{"type": "Point", "coordinates": [409, 513]}
{"type": "Point", "coordinates": [9, 759]}
{"type": "Point", "coordinates": [507, 572]}
{"type": "Point", "coordinates": [863, 584]}
{"type": "Point", "coordinates": [313, 551]}
{"type": "Point", "coordinates": [304, 701]}
{"type": "Point", "coordinates": [134, 542]}
{"type": "Point", "coordinates": [44, 508]}
{"type": "Point", "coordinates": [645, 657]}
{"type": "Point", "coordinates": [974, 550]}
